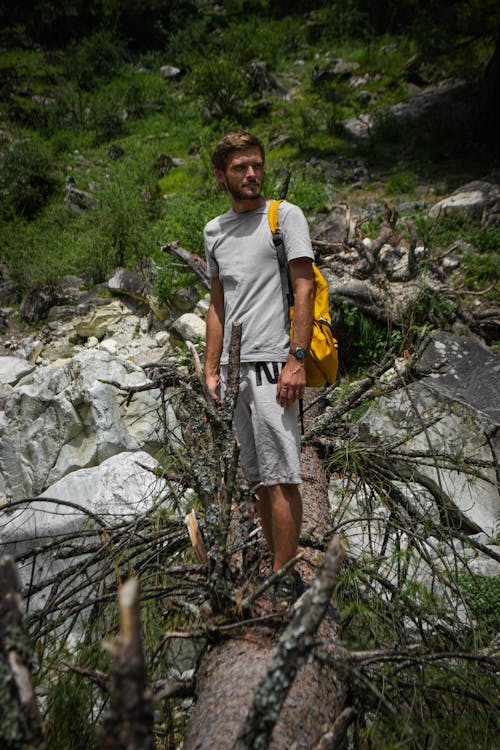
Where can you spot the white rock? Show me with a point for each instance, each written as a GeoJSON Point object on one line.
{"type": "Point", "coordinates": [109, 345]}
{"type": "Point", "coordinates": [119, 489]}
{"type": "Point", "coordinates": [189, 327]}
{"type": "Point", "coordinates": [12, 369]}
{"type": "Point", "coordinates": [60, 419]}
{"type": "Point", "coordinates": [162, 338]}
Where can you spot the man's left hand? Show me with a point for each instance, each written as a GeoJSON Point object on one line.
{"type": "Point", "coordinates": [291, 383]}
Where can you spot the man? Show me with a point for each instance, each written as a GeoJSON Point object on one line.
{"type": "Point", "coordinates": [246, 287]}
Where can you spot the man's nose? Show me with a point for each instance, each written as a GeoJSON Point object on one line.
{"type": "Point", "coordinates": [250, 170]}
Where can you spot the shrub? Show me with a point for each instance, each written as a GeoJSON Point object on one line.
{"type": "Point", "coordinates": [38, 254]}
{"type": "Point", "coordinates": [95, 57]}
{"type": "Point", "coordinates": [26, 180]}
{"type": "Point", "coordinates": [221, 87]}
{"type": "Point", "coordinates": [121, 226]}
{"type": "Point", "coordinates": [401, 183]}
{"type": "Point", "coordinates": [362, 340]}
{"type": "Point", "coordinates": [107, 120]}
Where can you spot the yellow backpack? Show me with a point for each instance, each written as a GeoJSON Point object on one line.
{"type": "Point", "coordinates": [322, 354]}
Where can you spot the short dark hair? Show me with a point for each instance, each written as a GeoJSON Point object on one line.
{"type": "Point", "coordinates": [237, 140]}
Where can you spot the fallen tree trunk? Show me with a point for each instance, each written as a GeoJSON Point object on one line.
{"type": "Point", "coordinates": [240, 673]}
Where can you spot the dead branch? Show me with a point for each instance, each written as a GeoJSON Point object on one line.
{"type": "Point", "coordinates": [129, 721]}
{"type": "Point", "coordinates": [334, 737]}
{"type": "Point", "coordinates": [197, 264]}
{"type": "Point", "coordinates": [20, 707]}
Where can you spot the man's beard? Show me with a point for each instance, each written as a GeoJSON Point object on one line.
{"type": "Point", "coordinates": [239, 195]}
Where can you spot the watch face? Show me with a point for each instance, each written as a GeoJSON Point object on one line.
{"type": "Point", "coordinates": [299, 353]}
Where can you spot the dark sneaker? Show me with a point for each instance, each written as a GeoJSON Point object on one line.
{"type": "Point", "coordinates": [288, 589]}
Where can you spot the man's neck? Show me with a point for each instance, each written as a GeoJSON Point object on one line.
{"type": "Point", "coordinates": [243, 206]}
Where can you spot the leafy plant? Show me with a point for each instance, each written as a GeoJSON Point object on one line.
{"type": "Point", "coordinates": [401, 183]}
{"type": "Point", "coordinates": [482, 594]}
{"type": "Point", "coordinates": [221, 87]}
{"type": "Point", "coordinates": [362, 340]}
{"type": "Point", "coordinates": [93, 58]}
{"type": "Point", "coordinates": [26, 179]}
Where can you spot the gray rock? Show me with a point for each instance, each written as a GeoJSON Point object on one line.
{"type": "Point", "coordinates": [463, 370]}
{"type": "Point", "coordinates": [188, 327]}
{"type": "Point", "coordinates": [12, 369]}
{"type": "Point", "coordinates": [130, 284]}
{"type": "Point", "coordinates": [453, 411]}
{"type": "Point", "coordinates": [61, 419]}
{"type": "Point", "coordinates": [478, 201]}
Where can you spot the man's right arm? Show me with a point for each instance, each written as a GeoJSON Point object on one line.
{"type": "Point", "coordinates": [215, 337]}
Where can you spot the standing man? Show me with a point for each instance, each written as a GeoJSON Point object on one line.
{"type": "Point", "coordinates": [246, 287]}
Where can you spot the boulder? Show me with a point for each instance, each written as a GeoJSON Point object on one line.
{"type": "Point", "coordinates": [61, 419]}
{"type": "Point", "coordinates": [478, 201]}
{"type": "Point", "coordinates": [130, 284]}
{"type": "Point", "coordinates": [12, 369]}
{"type": "Point", "coordinates": [453, 411]}
{"type": "Point", "coordinates": [122, 488]}
{"type": "Point", "coordinates": [101, 320]}
{"type": "Point", "coordinates": [188, 327]}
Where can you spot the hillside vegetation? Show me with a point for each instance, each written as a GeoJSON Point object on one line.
{"type": "Point", "coordinates": [98, 115]}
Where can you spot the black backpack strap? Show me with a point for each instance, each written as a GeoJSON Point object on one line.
{"type": "Point", "coordinates": [286, 281]}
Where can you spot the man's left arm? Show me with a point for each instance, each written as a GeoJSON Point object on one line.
{"type": "Point", "coordinates": [292, 380]}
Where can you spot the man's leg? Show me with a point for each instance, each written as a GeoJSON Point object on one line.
{"type": "Point", "coordinates": [280, 510]}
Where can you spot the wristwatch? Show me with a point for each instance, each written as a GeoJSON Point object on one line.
{"type": "Point", "coordinates": [299, 353]}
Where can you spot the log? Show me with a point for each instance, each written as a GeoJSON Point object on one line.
{"type": "Point", "coordinates": [232, 670]}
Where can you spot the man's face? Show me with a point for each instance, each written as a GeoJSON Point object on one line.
{"type": "Point", "coordinates": [243, 174]}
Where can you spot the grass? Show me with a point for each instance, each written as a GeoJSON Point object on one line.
{"type": "Point", "coordinates": [99, 100]}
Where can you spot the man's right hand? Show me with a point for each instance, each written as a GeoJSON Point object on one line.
{"type": "Point", "coordinates": [212, 385]}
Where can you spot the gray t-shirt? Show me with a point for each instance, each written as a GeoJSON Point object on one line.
{"type": "Point", "coordinates": [240, 252]}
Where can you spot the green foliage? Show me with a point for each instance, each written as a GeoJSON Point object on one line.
{"type": "Point", "coordinates": [363, 341]}
{"type": "Point", "coordinates": [185, 217]}
{"type": "Point", "coordinates": [92, 59]}
{"type": "Point", "coordinates": [431, 308]}
{"type": "Point", "coordinates": [26, 179]}
{"type": "Point", "coordinates": [271, 39]}
{"type": "Point", "coordinates": [69, 721]}
{"type": "Point", "coordinates": [401, 183]}
{"type": "Point", "coordinates": [38, 255]}
{"type": "Point", "coordinates": [107, 121]}
{"type": "Point", "coordinates": [121, 228]}
{"type": "Point", "coordinates": [482, 269]}
{"type": "Point", "coordinates": [221, 88]}
{"type": "Point", "coordinates": [305, 117]}
{"type": "Point", "coordinates": [170, 277]}
{"type": "Point", "coordinates": [482, 594]}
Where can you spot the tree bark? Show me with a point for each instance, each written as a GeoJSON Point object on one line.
{"type": "Point", "coordinates": [258, 664]}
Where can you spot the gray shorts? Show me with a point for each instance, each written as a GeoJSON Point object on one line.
{"type": "Point", "coordinates": [268, 433]}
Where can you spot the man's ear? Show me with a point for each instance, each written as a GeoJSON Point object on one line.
{"type": "Point", "coordinates": [220, 176]}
